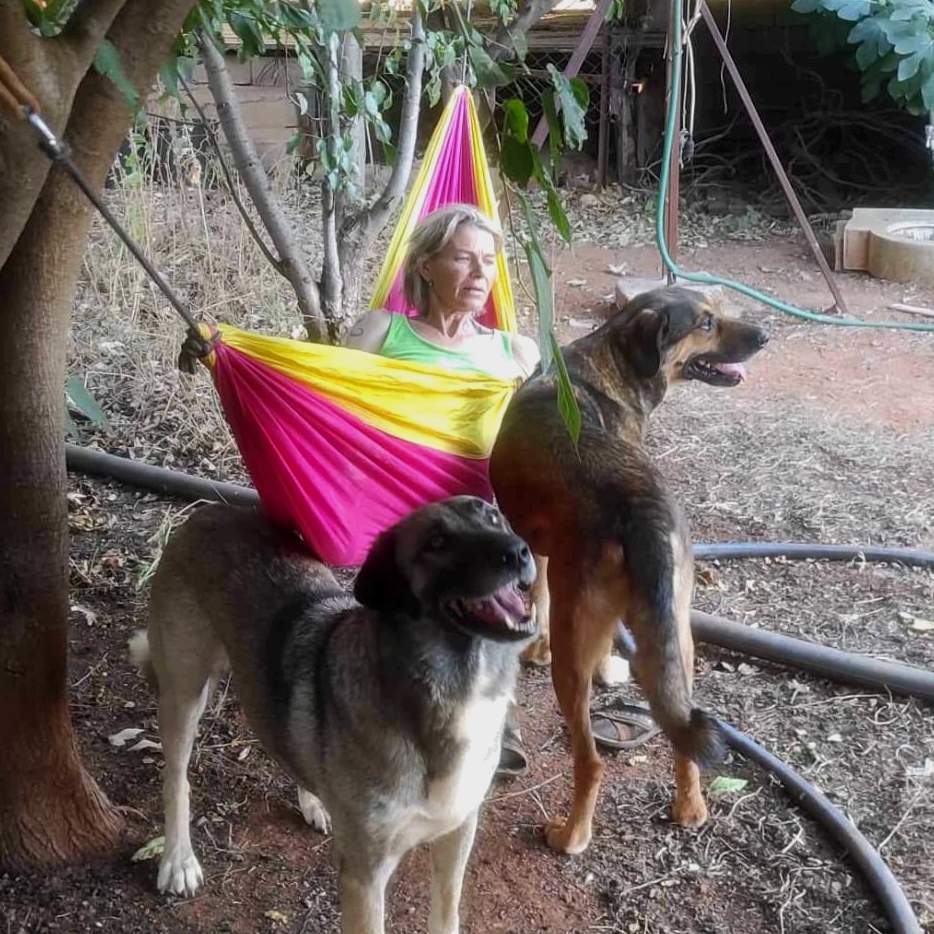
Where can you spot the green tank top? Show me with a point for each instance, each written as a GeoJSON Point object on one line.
{"type": "Point", "coordinates": [403, 342]}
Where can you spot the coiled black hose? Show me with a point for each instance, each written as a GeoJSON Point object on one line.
{"type": "Point", "coordinates": [830, 663]}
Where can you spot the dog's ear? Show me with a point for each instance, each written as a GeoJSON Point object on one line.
{"type": "Point", "coordinates": [380, 584]}
{"type": "Point", "coordinates": [648, 333]}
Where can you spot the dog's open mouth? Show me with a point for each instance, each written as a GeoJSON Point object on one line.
{"type": "Point", "coordinates": [505, 612]}
{"type": "Point", "coordinates": [715, 372]}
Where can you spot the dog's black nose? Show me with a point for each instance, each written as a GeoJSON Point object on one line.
{"type": "Point", "coordinates": [762, 337]}
{"type": "Point", "coordinates": [516, 554]}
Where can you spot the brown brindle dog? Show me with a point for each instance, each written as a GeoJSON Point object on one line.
{"type": "Point", "coordinates": [616, 542]}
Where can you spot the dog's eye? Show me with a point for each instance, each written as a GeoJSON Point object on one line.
{"type": "Point", "coordinates": [494, 518]}
{"type": "Point", "coordinates": [437, 541]}
{"type": "Point", "coordinates": [707, 323]}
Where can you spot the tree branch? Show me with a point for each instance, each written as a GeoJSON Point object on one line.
{"type": "Point", "coordinates": [331, 279]}
{"type": "Point", "coordinates": [501, 45]}
{"type": "Point", "coordinates": [292, 263]}
{"type": "Point", "coordinates": [88, 24]}
{"type": "Point", "coordinates": [375, 217]}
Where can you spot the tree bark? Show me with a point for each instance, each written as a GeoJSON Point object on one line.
{"type": "Point", "coordinates": [51, 810]}
{"type": "Point", "coordinates": [291, 262]}
{"type": "Point", "coordinates": [331, 268]}
{"type": "Point", "coordinates": [352, 70]}
{"type": "Point", "coordinates": [360, 229]}
{"type": "Point", "coordinates": [501, 47]}
{"type": "Point", "coordinates": [51, 69]}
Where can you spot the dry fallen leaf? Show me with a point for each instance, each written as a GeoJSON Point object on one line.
{"type": "Point", "coordinates": [121, 738]}
{"type": "Point", "coordinates": [149, 850]}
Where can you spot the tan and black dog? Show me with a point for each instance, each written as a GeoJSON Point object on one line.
{"type": "Point", "coordinates": [616, 542]}
{"type": "Point", "coordinates": [387, 706]}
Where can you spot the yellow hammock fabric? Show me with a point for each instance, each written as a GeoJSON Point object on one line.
{"type": "Point", "coordinates": [454, 169]}
{"type": "Point", "coordinates": [341, 444]}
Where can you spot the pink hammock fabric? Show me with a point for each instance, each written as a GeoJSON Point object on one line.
{"type": "Point", "coordinates": [324, 471]}
{"type": "Point", "coordinates": [341, 444]}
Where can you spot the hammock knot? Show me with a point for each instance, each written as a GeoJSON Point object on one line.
{"type": "Point", "coordinates": [198, 347]}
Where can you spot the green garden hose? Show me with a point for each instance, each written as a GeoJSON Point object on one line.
{"type": "Point", "coordinates": [674, 99]}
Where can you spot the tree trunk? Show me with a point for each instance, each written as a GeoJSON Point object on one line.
{"type": "Point", "coordinates": [360, 229]}
{"type": "Point", "coordinates": [51, 810]}
{"type": "Point", "coordinates": [331, 267]}
{"type": "Point", "coordinates": [291, 262]}
{"type": "Point", "coordinates": [352, 70]}
{"type": "Point", "coordinates": [51, 69]}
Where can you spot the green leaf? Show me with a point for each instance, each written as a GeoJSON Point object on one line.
{"type": "Point", "coordinates": [149, 850]}
{"type": "Point", "coordinates": [83, 402]}
{"type": "Point", "coordinates": [722, 785]}
{"type": "Point", "coordinates": [557, 215]}
{"type": "Point", "coordinates": [490, 74]}
{"type": "Point", "coordinates": [520, 45]}
{"type": "Point", "coordinates": [909, 67]}
{"type": "Point", "coordinates": [108, 63]}
{"type": "Point", "coordinates": [854, 10]}
{"type": "Point", "coordinates": [338, 15]}
{"type": "Point", "coordinates": [567, 401]}
{"type": "Point", "coordinates": [249, 34]}
{"type": "Point", "coordinates": [927, 92]}
{"type": "Point", "coordinates": [554, 131]}
{"type": "Point", "coordinates": [517, 119]}
{"type": "Point", "coordinates": [573, 98]}
{"type": "Point", "coordinates": [516, 160]}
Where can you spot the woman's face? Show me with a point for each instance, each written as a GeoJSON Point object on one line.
{"type": "Point", "coordinates": [462, 274]}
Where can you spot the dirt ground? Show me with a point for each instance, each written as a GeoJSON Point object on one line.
{"type": "Point", "coordinates": [830, 440]}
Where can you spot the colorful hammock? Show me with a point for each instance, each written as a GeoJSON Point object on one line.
{"type": "Point", "coordinates": [341, 444]}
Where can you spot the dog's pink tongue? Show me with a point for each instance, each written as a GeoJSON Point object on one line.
{"type": "Point", "coordinates": [732, 369]}
{"type": "Point", "coordinates": [511, 601]}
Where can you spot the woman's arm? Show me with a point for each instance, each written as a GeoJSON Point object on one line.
{"type": "Point", "coordinates": [525, 353]}
{"type": "Point", "coordinates": [369, 331]}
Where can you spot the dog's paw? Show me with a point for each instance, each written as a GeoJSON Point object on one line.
{"type": "Point", "coordinates": [180, 873]}
{"type": "Point", "coordinates": [313, 811]}
{"type": "Point", "coordinates": [538, 653]}
{"type": "Point", "coordinates": [564, 838]}
{"type": "Point", "coordinates": [689, 811]}
{"type": "Point", "coordinates": [611, 671]}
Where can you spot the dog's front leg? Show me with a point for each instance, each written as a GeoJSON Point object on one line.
{"type": "Point", "coordinates": [449, 855]}
{"type": "Point", "coordinates": [363, 892]}
{"type": "Point", "coordinates": [179, 870]}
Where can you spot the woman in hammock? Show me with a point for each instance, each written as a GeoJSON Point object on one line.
{"type": "Point", "coordinates": [449, 272]}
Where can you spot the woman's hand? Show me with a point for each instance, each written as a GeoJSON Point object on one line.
{"type": "Point", "coordinates": [369, 331]}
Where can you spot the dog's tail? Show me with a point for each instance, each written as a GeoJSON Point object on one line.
{"type": "Point", "coordinates": [139, 655]}
{"type": "Point", "coordinates": [658, 661]}
{"type": "Point", "coordinates": [659, 669]}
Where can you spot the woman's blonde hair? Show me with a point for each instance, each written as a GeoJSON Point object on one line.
{"type": "Point", "coordinates": [430, 236]}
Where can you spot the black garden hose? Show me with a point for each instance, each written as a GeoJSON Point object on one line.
{"type": "Point", "coordinates": [820, 660]}
{"type": "Point", "coordinates": [885, 886]}
{"type": "Point", "coordinates": [157, 479]}
{"type": "Point", "coordinates": [916, 557]}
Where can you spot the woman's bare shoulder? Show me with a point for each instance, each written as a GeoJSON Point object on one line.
{"type": "Point", "coordinates": [525, 351]}
{"type": "Point", "coordinates": [369, 331]}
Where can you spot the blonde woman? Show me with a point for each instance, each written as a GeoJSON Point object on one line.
{"type": "Point", "coordinates": [449, 273]}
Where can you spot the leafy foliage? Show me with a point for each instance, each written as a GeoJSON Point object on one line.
{"type": "Point", "coordinates": [520, 162]}
{"type": "Point", "coordinates": [894, 45]}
